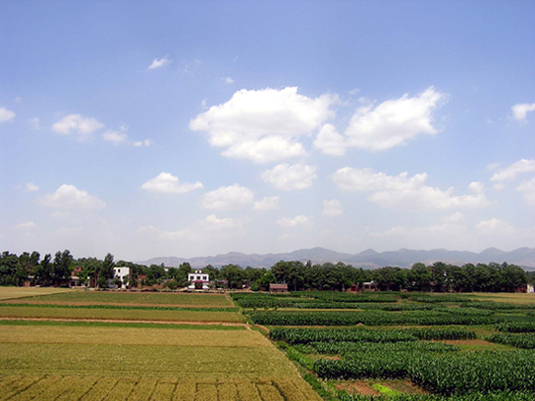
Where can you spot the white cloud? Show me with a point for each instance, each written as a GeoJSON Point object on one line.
{"type": "Point", "coordinates": [267, 203]}
{"type": "Point", "coordinates": [31, 187]}
{"type": "Point", "coordinates": [528, 188]}
{"type": "Point", "coordinates": [167, 183]}
{"type": "Point", "coordinates": [228, 80]}
{"type": "Point", "coordinates": [330, 141]}
{"type": "Point", "coordinates": [144, 143]}
{"type": "Point", "coordinates": [34, 123]}
{"type": "Point", "coordinates": [286, 177]}
{"type": "Point", "coordinates": [498, 187]}
{"type": "Point", "coordinates": [263, 125]}
{"type": "Point", "coordinates": [456, 217]}
{"type": "Point", "coordinates": [116, 137]}
{"type": "Point", "coordinates": [520, 110]}
{"type": "Point", "coordinates": [264, 150]}
{"type": "Point", "coordinates": [520, 167]}
{"type": "Point", "coordinates": [209, 228]}
{"type": "Point", "coordinates": [70, 197]}
{"type": "Point", "coordinates": [394, 190]}
{"type": "Point", "coordinates": [84, 126]}
{"type": "Point", "coordinates": [442, 231]}
{"type": "Point", "coordinates": [476, 187]}
{"type": "Point", "coordinates": [6, 115]}
{"type": "Point", "coordinates": [393, 122]}
{"type": "Point", "coordinates": [228, 198]}
{"type": "Point", "coordinates": [160, 63]}
{"type": "Point", "coordinates": [492, 226]}
{"type": "Point", "coordinates": [332, 208]}
{"type": "Point", "coordinates": [25, 226]}
{"type": "Point", "coordinates": [296, 221]}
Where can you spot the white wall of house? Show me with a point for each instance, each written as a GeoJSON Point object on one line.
{"type": "Point", "coordinates": [121, 272]}
{"type": "Point", "coordinates": [198, 277]}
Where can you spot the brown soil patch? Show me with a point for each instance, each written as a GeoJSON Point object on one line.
{"type": "Point", "coordinates": [468, 342]}
{"type": "Point", "coordinates": [405, 386]}
{"type": "Point", "coordinates": [334, 358]}
{"type": "Point", "coordinates": [360, 387]}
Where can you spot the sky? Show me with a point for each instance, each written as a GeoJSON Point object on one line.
{"type": "Point", "coordinates": [181, 128]}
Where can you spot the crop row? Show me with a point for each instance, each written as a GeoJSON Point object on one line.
{"type": "Point", "coordinates": [526, 341]}
{"type": "Point", "coordinates": [306, 336]}
{"type": "Point", "coordinates": [516, 327]}
{"type": "Point", "coordinates": [375, 318]}
{"type": "Point", "coordinates": [497, 306]}
{"type": "Point", "coordinates": [428, 298]}
{"type": "Point", "coordinates": [331, 296]}
{"type": "Point", "coordinates": [503, 396]}
{"type": "Point", "coordinates": [348, 348]}
{"type": "Point", "coordinates": [487, 372]}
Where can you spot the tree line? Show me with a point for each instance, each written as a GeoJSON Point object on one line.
{"type": "Point", "coordinates": [438, 277]}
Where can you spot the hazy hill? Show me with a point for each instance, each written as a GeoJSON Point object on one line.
{"type": "Point", "coordinates": [367, 259]}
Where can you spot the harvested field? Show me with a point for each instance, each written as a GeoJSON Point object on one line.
{"type": "Point", "coordinates": [119, 314]}
{"type": "Point", "coordinates": [89, 388]}
{"type": "Point", "coordinates": [20, 292]}
{"type": "Point", "coordinates": [82, 297]}
{"type": "Point", "coordinates": [513, 298]}
{"type": "Point", "coordinates": [46, 334]}
{"type": "Point", "coordinates": [94, 362]}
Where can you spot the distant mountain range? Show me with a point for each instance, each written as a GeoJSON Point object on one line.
{"type": "Point", "coordinates": [368, 259]}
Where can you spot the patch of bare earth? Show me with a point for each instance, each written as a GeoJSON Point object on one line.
{"type": "Point", "coordinates": [468, 342]}
{"type": "Point", "coordinates": [360, 387]}
{"type": "Point", "coordinates": [405, 386]}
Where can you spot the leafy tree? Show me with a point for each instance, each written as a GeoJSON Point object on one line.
{"type": "Point", "coordinates": [61, 267]}
{"type": "Point", "coordinates": [43, 271]}
{"type": "Point", "coordinates": [106, 272]}
{"type": "Point", "coordinates": [234, 275]}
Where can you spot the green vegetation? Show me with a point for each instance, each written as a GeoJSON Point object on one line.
{"type": "Point", "coordinates": [375, 318]}
{"type": "Point", "coordinates": [81, 297]}
{"type": "Point", "coordinates": [526, 341]}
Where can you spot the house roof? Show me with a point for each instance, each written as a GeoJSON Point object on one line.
{"type": "Point", "coordinates": [278, 286]}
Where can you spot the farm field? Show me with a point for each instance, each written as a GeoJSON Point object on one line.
{"type": "Point", "coordinates": [405, 346]}
{"type": "Point", "coordinates": [19, 292]}
{"type": "Point", "coordinates": [155, 315]}
{"type": "Point", "coordinates": [517, 298]}
{"type": "Point", "coordinates": [83, 297]}
{"type": "Point", "coordinates": [79, 359]}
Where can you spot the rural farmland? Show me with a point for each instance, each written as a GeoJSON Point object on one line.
{"type": "Point", "coordinates": [90, 345]}
{"type": "Point", "coordinates": [128, 352]}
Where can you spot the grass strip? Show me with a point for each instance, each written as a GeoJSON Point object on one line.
{"type": "Point", "coordinates": [118, 324]}
{"type": "Point", "coordinates": [123, 307]}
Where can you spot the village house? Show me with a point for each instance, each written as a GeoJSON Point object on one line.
{"type": "Point", "coordinates": [198, 280]}
{"type": "Point", "coordinates": [124, 274]}
{"type": "Point", "coordinates": [278, 288]}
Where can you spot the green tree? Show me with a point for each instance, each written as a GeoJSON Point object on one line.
{"type": "Point", "coordinates": [61, 267]}
{"type": "Point", "coordinates": [106, 272]}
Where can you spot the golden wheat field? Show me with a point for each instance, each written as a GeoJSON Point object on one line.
{"type": "Point", "coordinates": [94, 388]}
{"type": "Point", "coordinates": [84, 360]}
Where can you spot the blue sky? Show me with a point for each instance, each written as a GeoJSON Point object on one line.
{"type": "Point", "coordinates": [196, 128]}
